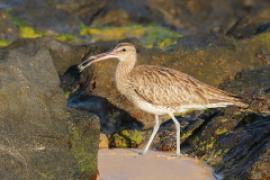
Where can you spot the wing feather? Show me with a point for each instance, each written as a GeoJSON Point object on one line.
{"type": "Point", "coordinates": [170, 88]}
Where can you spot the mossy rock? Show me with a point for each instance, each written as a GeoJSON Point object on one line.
{"type": "Point", "coordinates": [148, 35]}
{"type": "Point", "coordinates": [41, 138]}
{"type": "Point", "coordinates": [126, 139]}
{"type": "Point", "coordinates": [4, 43]}
{"type": "Point", "coordinates": [229, 139]}
{"type": "Point", "coordinates": [84, 143]}
{"type": "Point", "coordinates": [222, 123]}
{"type": "Point", "coordinates": [29, 32]}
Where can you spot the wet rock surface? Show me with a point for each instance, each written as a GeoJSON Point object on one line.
{"type": "Point", "coordinates": [39, 137]}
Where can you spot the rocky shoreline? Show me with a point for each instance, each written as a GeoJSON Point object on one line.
{"type": "Point", "coordinates": [225, 44]}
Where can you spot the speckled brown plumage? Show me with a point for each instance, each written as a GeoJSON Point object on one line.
{"type": "Point", "coordinates": [167, 87]}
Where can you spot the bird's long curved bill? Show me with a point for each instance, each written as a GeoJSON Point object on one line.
{"type": "Point", "coordinates": [93, 59]}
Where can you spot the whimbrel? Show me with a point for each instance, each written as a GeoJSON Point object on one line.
{"type": "Point", "coordinates": [160, 90]}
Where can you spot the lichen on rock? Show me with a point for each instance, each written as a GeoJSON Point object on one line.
{"type": "Point", "coordinates": [148, 35]}
{"type": "Point", "coordinates": [126, 138]}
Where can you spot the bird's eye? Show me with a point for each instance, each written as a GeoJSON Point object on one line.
{"type": "Point", "coordinates": [124, 50]}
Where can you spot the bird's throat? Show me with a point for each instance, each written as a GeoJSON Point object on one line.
{"type": "Point", "coordinates": [122, 73]}
{"type": "Point", "coordinates": [125, 66]}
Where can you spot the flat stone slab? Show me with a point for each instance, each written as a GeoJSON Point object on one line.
{"type": "Point", "coordinates": [128, 164]}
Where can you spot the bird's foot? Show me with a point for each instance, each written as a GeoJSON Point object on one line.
{"type": "Point", "coordinates": [142, 153]}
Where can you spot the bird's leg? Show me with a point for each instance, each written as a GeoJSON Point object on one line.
{"type": "Point", "coordinates": [155, 130]}
{"type": "Point", "coordinates": [177, 125]}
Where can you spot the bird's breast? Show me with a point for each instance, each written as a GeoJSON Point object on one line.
{"type": "Point", "coordinates": [122, 86]}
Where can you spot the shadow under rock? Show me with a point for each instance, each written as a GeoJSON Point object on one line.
{"type": "Point", "coordinates": [112, 119]}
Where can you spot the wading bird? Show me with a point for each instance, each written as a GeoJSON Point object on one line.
{"type": "Point", "coordinates": [160, 90]}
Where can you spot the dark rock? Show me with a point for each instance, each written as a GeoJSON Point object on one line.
{"type": "Point", "coordinates": [44, 16]}
{"type": "Point", "coordinates": [254, 87]}
{"type": "Point", "coordinates": [110, 12]}
{"type": "Point", "coordinates": [39, 137]}
{"type": "Point", "coordinates": [233, 140]}
{"type": "Point", "coordinates": [8, 31]}
{"type": "Point", "coordinates": [234, 18]}
{"type": "Point", "coordinates": [252, 24]}
{"type": "Point", "coordinates": [197, 16]}
{"type": "Point", "coordinates": [262, 28]}
{"type": "Point", "coordinates": [86, 10]}
{"type": "Point", "coordinates": [260, 169]}
{"type": "Point", "coordinates": [112, 119]}
{"type": "Point", "coordinates": [70, 79]}
{"type": "Point", "coordinates": [242, 148]}
{"type": "Point", "coordinates": [201, 41]}
{"type": "Point", "coordinates": [190, 17]}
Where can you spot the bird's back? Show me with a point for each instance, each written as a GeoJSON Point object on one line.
{"type": "Point", "coordinates": [167, 87]}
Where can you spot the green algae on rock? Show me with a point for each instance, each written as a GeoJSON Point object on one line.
{"type": "Point", "coordinates": [221, 131]}
{"type": "Point", "coordinates": [148, 35]}
{"type": "Point", "coordinates": [4, 43]}
{"type": "Point", "coordinates": [83, 146]}
{"type": "Point", "coordinates": [68, 38]}
{"type": "Point", "coordinates": [126, 138]}
{"type": "Point", "coordinates": [29, 32]}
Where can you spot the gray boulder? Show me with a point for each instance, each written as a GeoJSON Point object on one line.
{"type": "Point", "coordinates": [39, 137]}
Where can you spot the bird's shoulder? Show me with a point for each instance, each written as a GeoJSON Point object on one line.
{"type": "Point", "coordinates": [158, 75]}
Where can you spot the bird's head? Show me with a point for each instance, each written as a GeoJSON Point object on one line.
{"type": "Point", "coordinates": [122, 52]}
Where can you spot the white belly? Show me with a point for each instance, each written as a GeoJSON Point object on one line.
{"type": "Point", "coordinates": [161, 110]}
{"type": "Point", "coordinates": [158, 110]}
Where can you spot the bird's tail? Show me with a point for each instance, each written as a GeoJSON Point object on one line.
{"type": "Point", "coordinates": [240, 103]}
{"type": "Point", "coordinates": [230, 99]}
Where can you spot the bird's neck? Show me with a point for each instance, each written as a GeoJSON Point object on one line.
{"type": "Point", "coordinates": [125, 67]}
{"type": "Point", "coordinates": [122, 73]}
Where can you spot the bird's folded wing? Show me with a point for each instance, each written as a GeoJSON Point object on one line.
{"type": "Point", "coordinates": [167, 87]}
